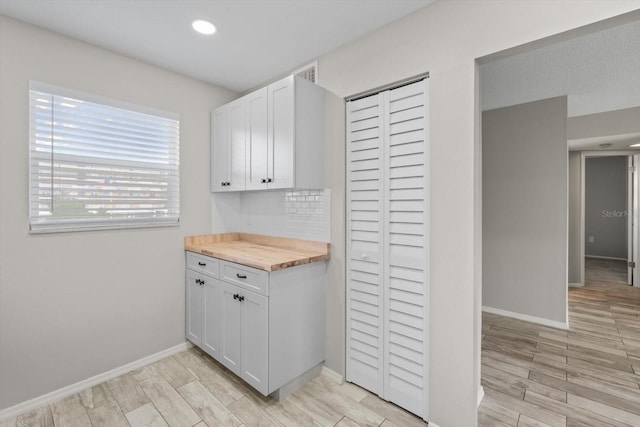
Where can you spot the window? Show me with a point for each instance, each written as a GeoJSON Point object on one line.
{"type": "Point", "coordinates": [99, 164]}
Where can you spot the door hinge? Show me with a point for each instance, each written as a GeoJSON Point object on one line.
{"type": "Point", "coordinates": [631, 264]}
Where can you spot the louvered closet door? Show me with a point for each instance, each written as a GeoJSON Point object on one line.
{"type": "Point", "coordinates": [406, 256]}
{"type": "Point", "coordinates": [387, 239]}
{"type": "Point", "coordinates": [364, 240]}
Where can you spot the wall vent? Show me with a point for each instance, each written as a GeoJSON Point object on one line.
{"type": "Point", "coordinates": [308, 72]}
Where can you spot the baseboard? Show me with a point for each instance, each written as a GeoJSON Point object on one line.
{"type": "Point", "coordinates": [527, 318]}
{"type": "Point", "coordinates": [332, 375]}
{"type": "Point", "coordinates": [576, 285]}
{"type": "Point", "coordinates": [63, 392]}
{"type": "Point", "coordinates": [605, 257]}
{"type": "Point", "coordinates": [480, 395]}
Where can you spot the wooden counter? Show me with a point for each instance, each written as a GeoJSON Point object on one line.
{"type": "Point", "coordinates": [254, 250]}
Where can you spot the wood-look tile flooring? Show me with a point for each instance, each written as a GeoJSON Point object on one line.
{"type": "Point", "coordinates": [191, 389]}
{"type": "Point", "coordinates": [587, 376]}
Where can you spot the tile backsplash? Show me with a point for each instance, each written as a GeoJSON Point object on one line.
{"type": "Point", "coordinates": [300, 214]}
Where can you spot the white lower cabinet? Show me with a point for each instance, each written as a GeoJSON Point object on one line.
{"type": "Point", "coordinates": [244, 337]}
{"type": "Point", "coordinates": [266, 327]}
{"type": "Point", "coordinates": [203, 301]}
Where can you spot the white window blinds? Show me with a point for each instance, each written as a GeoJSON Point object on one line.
{"type": "Point", "coordinates": [98, 164]}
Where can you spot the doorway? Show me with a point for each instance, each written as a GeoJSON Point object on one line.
{"type": "Point", "coordinates": [608, 215]}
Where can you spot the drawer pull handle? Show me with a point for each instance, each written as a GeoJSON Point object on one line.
{"type": "Point", "coordinates": [241, 276]}
{"type": "Point", "coordinates": [202, 264]}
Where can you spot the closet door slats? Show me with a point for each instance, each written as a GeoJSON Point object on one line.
{"type": "Point", "coordinates": [388, 245]}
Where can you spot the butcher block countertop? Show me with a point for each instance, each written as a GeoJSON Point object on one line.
{"type": "Point", "coordinates": [254, 250]}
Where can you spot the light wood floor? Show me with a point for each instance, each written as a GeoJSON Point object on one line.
{"type": "Point", "coordinates": [587, 376]}
{"type": "Point", "coordinates": [191, 389]}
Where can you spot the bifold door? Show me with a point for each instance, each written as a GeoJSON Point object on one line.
{"type": "Point", "coordinates": [388, 245]}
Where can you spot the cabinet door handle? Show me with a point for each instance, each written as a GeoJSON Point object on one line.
{"type": "Point", "coordinates": [235, 296]}
{"type": "Point", "coordinates": [202, 264]}
{"type": "Point", "coordinates": [240, 298]}
{"type": "Point", "coordinates": [269, 180]}
{"type": "Point", "coordinates": [241, 276]}
{"type": "Point", "coordinates": [263, 180]}
{"type": "Point", "coordinates": [228, 183]}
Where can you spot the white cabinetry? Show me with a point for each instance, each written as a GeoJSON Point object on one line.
{"type": "Point", "coordinates": [388, 245]}
{"type": "Point", "coordinates": [203, 303]}
{"type": "Point", "coordinates": [266, 327]}
{"type": "Point", "coordinates": [245, 344]}
{"type": "Point", "coordinates": [282, 127]}
{"type": "Point", "coordinates": [228, 149]}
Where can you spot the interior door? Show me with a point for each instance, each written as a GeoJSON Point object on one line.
{"type": "Point", "coordinates": [365, 175]}
{"type": "Point", "coordinates": [632, 218]}
{"type": "Point", "coordinates": [406, 248]}
{"type": "Point", "coordinates": [388, 245]}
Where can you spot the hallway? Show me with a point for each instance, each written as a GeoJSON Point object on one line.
{"type": "Point", "coordinates": [588, 376]}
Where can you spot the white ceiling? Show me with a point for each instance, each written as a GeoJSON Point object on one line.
{"type": "Point", "coordinates": [599, 72]}
{"type": "Point", "coordinates": [256, 40]}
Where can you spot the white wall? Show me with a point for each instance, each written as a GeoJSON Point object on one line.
{"type": "Point", "coordinates": [73, 305]}
{"type": "Point", "coordinates": [605, 206]}
{"type": "Point", "coordinates": [524, 199]}
{"type": "Point", "coordinates": [445, 39]}
{"type": "Point", "coordinates": [575, 274]}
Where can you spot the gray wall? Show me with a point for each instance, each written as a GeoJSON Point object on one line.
{"type": "Point", "coordinates": [74, 305]}
{"type": "Point", "coordinates": [524, 199]}
{"type": "Point", "coordinates": [605, 206]}
{"type": "Point", "coordinates": [575, 218]}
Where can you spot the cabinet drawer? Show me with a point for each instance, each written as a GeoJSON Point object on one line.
{"type": "Point", "coordinates": [246, 277]}
{"type": "Point", "coordinates": [203, 264]}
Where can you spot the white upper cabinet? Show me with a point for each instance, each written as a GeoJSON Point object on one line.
{"type": "Point", "coordinates": [228, 147]}
{"type": "Point", "coordinates": [281, 149]}
{"type": "Point", "coordinates": [282, 127]}
{"type": "Point", "coordinates": [257, 136]}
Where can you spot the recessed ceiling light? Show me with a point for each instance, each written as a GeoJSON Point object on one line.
{"type": "Point", "coordinates": [203, 27]}
{"type": "Point", "coordinates": [635, 145]}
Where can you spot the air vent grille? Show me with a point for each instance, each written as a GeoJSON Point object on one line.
{"type": "Point", "coordinates": [309, 72]}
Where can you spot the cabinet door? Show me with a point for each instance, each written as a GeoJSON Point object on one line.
{"type": "Point", "coordinates": [257, 118]}
{"type": "Point", "coordinates": [194, 308]}
{"type": "Point", "coordinates": [230, 319]}
{"type": "Point", "coordinates": [237, 128]}
{"type": "Point", "coordinates": [220, 155]}
{"type": "Point", "coordinates": [280, 152]}
{"type": "Point", "coordinates": [255, 340]}
{"type": "Point", "coordinates": [211, 295]}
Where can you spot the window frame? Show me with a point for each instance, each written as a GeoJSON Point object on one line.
{"type": "Point", "coordinates": [86, 223]}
